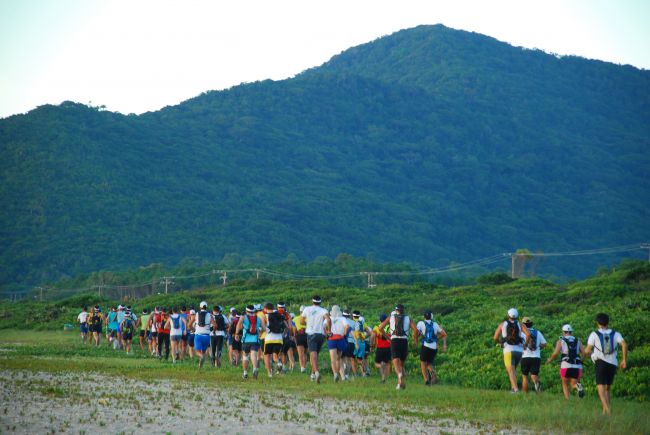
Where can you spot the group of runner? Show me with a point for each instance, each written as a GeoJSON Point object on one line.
{"type": "Point", "coordinates": [271, 335]}
{"type": "Point", "coordinates": [522, 344]}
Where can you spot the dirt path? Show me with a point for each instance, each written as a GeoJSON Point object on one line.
{"type": "Point", "coordinates": [84, 403]}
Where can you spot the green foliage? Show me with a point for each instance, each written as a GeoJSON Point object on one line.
{"type": "Point", "coordinates": [494, 278]}
{"type": "Point", "coordinates": [430, 146]}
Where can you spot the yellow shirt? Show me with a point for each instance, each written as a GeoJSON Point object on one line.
{"type": "Point", "coordinates": [260, 316]}
{"type": "Point", "coordinates": [299, 324]}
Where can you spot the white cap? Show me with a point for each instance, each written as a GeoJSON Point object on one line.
{"type": "Point", "coordinates": [120, 307]}
{"type": "Point", "coordinates": [513, 313]}
{"type": "Point", "coordinates": [567, 328]}
{"type": "Point", "coordinates": [233, 309]}
{"type": "Point", "coordinates": [302, 308]}
{"type": "Point", "coordinates": [203, 304]}
{"type": "Point", "coordinates": [192, 312]}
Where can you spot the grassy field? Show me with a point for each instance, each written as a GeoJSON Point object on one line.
{"type": "Point", "coordinates": [62, 352]}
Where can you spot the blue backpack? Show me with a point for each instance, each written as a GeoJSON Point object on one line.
{"type": "Point", "coordinates": [607, 342]}
{"type": "Point", "coordinates": [430, 333]}
{"type": "Point", "coordinates": [176, 321]}
{"type": "Point", "coordinates": [531, 342]}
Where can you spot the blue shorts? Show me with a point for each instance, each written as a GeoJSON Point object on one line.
{"type": "Point", "coordinates": [201, 342]}
{"type": "Point", "coordinates": [340, 345]}
{"type": "Point", "coordinates": [250, 347]}
{"type": "Point", "coordinates": [83, 328]}
{"type": "Point", "coordinates": [360, 352]}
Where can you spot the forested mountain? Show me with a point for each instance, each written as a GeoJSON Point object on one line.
{"type": "Point", "coordinates": [430, 145]}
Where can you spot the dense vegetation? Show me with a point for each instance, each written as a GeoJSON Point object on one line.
{"type": "Point", "coordinates": [429, 146]}
{"type": "Point", "coordinates": [469, 314]}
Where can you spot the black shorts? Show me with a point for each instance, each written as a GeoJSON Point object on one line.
{"type": "Point", "coordinates": [301, 340]}
{"type": "Point", "coordinates": [286, 344]}
{"type": "Point", "coordinates": [399, 348]}
{"type": "Point", "coordinates": [96, 328]}
{"type": "Point", "coordinates": [382, 355]}
{"type": "Point", "coordinates": [530, 366]}
{"type": "Point", "coordinates": [236, 345]}
{"type": "Point", "coordinates": [605, 372]}
{"type": "Point", "coordinates": [315, 342]}
{"type": "Point", "coordinates": [270, 348]}
{"type": "Point", "coordinates": [427, 354]}
{"type": "Point", "coordinates": [127, 336]}
{"type": "Point", "coordinates": [142, 332]}
{"type": "Point", "coordinates": [349, 352]}
{"type": "Point", "coordinates": [154, 335]}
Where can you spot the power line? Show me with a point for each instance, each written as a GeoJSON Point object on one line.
{"type": "Point", "coordinates": [169, 280]}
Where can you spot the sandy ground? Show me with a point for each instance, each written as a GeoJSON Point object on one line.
{"type": "Point", "coordinates": [38, 402]}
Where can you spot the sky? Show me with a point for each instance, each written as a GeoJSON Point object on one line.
{"type": "Point", "coordinates": [134, 56]}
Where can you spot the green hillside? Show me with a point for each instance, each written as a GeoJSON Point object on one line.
{"type": "Point", "coordinates": [469, 314]}
{"type": "Point", "coordinates": [430, 145]}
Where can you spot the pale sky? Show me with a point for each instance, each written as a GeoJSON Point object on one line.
{"type": "Point", "coordinates": [135, 56]}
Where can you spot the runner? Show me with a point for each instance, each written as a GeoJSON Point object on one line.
{"type": "Point", "coordinates": [601, 345]}
{"type": "Point", "coordinates": [286, 354]}
{"type": "Point", "coordinates": [191, 315]}
{"type": "Point", "coordinates": [511, 335]}
{"type": "Point", "coordinates": [259, 312]}
{"type": "Point", "coordinates": [152, 325]}
{"type": "Point", "coordinates": [289, 349]}
{"type": "Point", "coordinates": [430, 332]}
{"type": "Point", "coordinates": [121, 314]}
{"type": "Point", "coordinates": [380, 340]}
{"type": "Point", "coordinates": [532, 358]}
{"type": "Point", "coordinates": [248, 333]}
{"type": "Point", "coordinates": [142, 325]}
{"type": "Point", "coordinates": [184, 314]}
{"type": "Point", "coordinates": [163, 333]}
{"type": "Point", "coordinates": [176, 325]}
{"type": "Point", "coordinates": [274, 323]}
{"type": "Point", "coordinates": [201, 322]}
{"type": "Point", "coordinates": [82, 318]}
{"type": "Point", "coordinates": [360, 333]}
{"type": "Point", "coordinates": [400, 324]}
{"type": "Point", "coordinates": [336, 342]}
{"type": "Point", "coordinates": [218, 335]}
{"type": "Point", "coordinates": [301, 340]}
{"type": "Point", "coordinates": [234, 347]}
{"type": "Point", "coordinates": [113, 326]}
{"type": "Point", "coordinates": [127, 326]}
{"type": "Point", "coordinates": [95, 320]}
{"type": "Point", "coordinates": [571, 364]}
{"type": "Point", "coordinates": [315, 317]}
{"type": "Point", "coordinates": [349, 361]}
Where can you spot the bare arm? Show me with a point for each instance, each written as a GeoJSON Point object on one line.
{"type": "Point", "coordinates": [624, 351]}
{"type": "Point", "coordinates": [556, 352]}
{"type": "Point", "coordinates": [498, 333]}
{"type": "Point", "coordinates": [442, 334]}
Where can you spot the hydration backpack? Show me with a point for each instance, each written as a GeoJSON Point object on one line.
{"type": "Point", "coordinates": [430, 333]}
{"type": "Point", "coordinates": [252, 328]}
{"type": "Point", "coordinates": [221, 322]}
{"type": "Point", "coordinates": [607, 342]}
{"type": "Point", "coordinates": [176, 321]}
{"type": "Point", "coordinates": [201, 318]}
{"type": "Point", "coordinates": [399, 325]}
{"type": "Point", "coordinates": [128, 326]}
{"type": "Point", "coordinates": [531, 342]}
{"type": "Point", "coordinates": [96, 319]}
{"type": "Point", "coordinates": [276, 323]}
{"type": "Point", "coordinates": [573, 355]}
{"type": "Point", "coordinates": [233, 325]}
{"type": "Point", "coordinates": [513, 336]}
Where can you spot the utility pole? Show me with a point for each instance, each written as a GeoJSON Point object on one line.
{"type": "Point", "coordinates": [371, 279]}
{"type": "Point", "coordinates": [167, 280]}
{"type": "Point", "coordinates": [40, 290]}
{"type": "Point", "coordinates": [257, 274]}
{"type": "Point", "coordinates": [224, 278]}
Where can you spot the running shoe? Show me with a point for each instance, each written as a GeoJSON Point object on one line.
{"type": "Point", "coordinates": [538, 387]}
{"type": "Point", "coordinates": [255, 374]}
{"type": "Point", "coordinates": [317, 378]}
{"type": "Point", "coordinates": [244, 376]}
{"type": "Point", "coordinates": [581, 390]}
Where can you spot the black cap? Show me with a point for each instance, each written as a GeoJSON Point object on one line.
{"type": "Point", "coordinates": [316, 299]}
{"type": "Point", "coordinates": [399, 307]}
